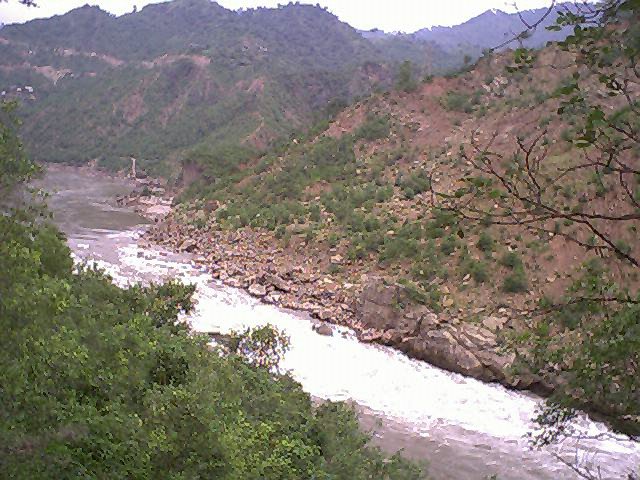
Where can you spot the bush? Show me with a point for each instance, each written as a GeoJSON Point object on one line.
{"type": "Point", "coordinates": [405, 80]}
{"type": "Point", "coordinates": [449, 245]}
{"type": "Point", "coordinates": [511, 260]}
{"type": "Point", "coordinates": [516, 282]}
{"type": "Point", "coordinates": [477, 270]}
{"type": "Point", "coordinates": [457, 102]}
{"type": "Point", "coordinates": [485, 243]}
{"type": "Point", "coordinates": [374, 128]}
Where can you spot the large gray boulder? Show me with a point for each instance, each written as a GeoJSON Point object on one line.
{"type": "Point", "coordinates": [387, 315]}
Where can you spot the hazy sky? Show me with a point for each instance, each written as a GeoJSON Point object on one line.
{"type": "Point", "coordinates": [389, 15]}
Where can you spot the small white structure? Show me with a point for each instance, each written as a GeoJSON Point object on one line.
{"type": "Point", "coordinates": [29, 89]}
{"type": "Point", "coordinates": [18, 89]}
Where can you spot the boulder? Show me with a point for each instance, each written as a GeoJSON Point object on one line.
{"type": "Point", "coordinates": [384, 307]}
{"type": "Point", "coordinates": [337, 260]}
{"type": "Point", "coordinates": [494, 323]}
{"type": "Point", "coordinates": [440, 348]}
{"type": "Point", "coordinates": [326, 314]}
{"type": "Point", "coordinates": [277, 282]}
{"type": "Point", "coordinates": [387, 315]}
{"type": "Point", "coordinates": [188, 245]}
{"type": "Point", "coordinates": [257, 290]}
{"type": "Point", "coordinates": [371, 335]}
{"type": "Point", "coordinates": [323, 329]}
{"type": "Point", "coordinates": [272, 298]}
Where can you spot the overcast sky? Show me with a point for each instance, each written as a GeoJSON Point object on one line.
{"type": "Point", "coordinates": [388, 15]}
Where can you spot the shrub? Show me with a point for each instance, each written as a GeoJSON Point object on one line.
{"type": "Point", "coordinates": [511, 260]}
{"type": "Point", "coordinates": [516, 282]}
{"type": "Point", "coordinates": [477, 270]}
{"type": "Point", "coordinates": [485, 242]}
{"type": "Point", "coordinates": [405, 80]}
{"type": "Point", "coordinates": [449, 245]}
{"type": "Point", "coordinates": [456, 102]}
{"type": "Point", "coordinates": [374, 128]}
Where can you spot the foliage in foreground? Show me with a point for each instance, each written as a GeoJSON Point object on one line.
{"type": "Point", "coordinates": [101, 381]}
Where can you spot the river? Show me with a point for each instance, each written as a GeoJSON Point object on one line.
{"type": "Point", "coordinates": [464, 428]}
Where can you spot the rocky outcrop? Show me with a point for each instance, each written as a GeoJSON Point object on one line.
{"type": "Point", "coordinates": [377, 311]}
{"type": "Point", "coordinates": [387, 316]}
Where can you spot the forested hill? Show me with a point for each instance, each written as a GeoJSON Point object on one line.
{"type": "Point", "coordinates": [155, 83]}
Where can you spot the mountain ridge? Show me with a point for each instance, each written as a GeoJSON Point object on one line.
{"type": "Point", "coordinates": [158, 82]}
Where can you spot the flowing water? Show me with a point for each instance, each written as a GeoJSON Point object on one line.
{"type": "Point", "coordinates": [466, 429]}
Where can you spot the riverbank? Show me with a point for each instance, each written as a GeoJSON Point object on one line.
{"type": "Point", "coordinates": [408, 404]}
{"type": "Point", "coordinates": [336, 291]}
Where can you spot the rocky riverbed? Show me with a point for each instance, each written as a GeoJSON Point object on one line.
{"type": "Point", "coordinates": [377, 310]}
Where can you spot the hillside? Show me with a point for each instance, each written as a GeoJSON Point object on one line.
{"type": "Point", "coordinates": [370, 224]}
{"type": "Point", "coordinates": [154, 83]}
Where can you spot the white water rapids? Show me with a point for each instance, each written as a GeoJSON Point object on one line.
{"type": "Point", "coordinates": [466, 429]}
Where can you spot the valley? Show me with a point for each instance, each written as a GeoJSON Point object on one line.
{"type": "Point", "coordinates": [316, 251]}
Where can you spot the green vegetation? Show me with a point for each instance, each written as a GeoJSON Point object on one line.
{"type": "Point", "coordinates": [486, 243]}
{"type": "Point", "coordinates": [515, 282]}
{"type": "Point", "coordinates": [374, 128]}
{"type": "Point", "coordinates": [99, 381]}
{"type": "Point", "coordinates": [460, 101]}
{"type": "Point", "coordinates": [406, 81]}
{"type": "Point", "coordinates": [157, 83]}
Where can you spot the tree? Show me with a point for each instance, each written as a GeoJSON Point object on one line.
{"type": "Point", "coordinates": [406, 81]}
{"type": "Point", "coordinates": [16, 168]}
{"type": "Point", "coordinates": [590, 336]}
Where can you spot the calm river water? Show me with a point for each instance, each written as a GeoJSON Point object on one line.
{"type": "Point", "coordinates": [464, 428]}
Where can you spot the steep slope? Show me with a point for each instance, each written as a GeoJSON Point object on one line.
{"type": "Point", "coordinates": [154, 83]}
{"type": "Point", "coordinates": [355, 224]}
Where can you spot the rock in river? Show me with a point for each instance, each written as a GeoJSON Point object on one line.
{"type": "Point", "coordinates": [323, 329]}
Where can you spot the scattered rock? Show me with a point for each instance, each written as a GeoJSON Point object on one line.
{"type": "Point", "coordinates": [494, 323]}
{"type": "Point", "coordinates": [277, 282]}
{"type": "Point", "coordinates": [257, 290]}
{"type": "Point", "coordinates": [188, 245]}
{"type": "Point", "coordinates": [371, 335]}
{"type": "Point", "coordinates": [323, 329]}
{"type": "Point", "coordinates": [337, 260]}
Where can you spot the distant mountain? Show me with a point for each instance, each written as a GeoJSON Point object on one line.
{"type": "Point", "coordinates": [155, 83]}
{"type": "Point", "coordinates": [493, 28]}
